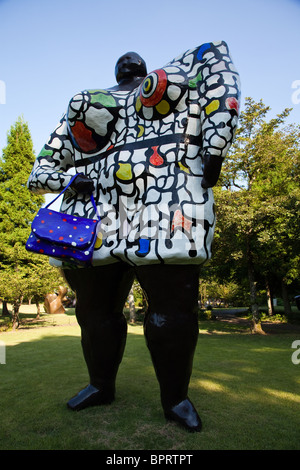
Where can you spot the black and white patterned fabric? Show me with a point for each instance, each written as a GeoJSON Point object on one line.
{"type": "Point", "coordinates": [144, 151]}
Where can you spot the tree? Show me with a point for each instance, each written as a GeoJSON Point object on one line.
{"type": "Point", "coordinates": [258, 201]}
{"type": "Point", "coordinates": [17, 209]}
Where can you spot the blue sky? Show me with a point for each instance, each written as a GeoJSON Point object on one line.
{"type": "Point", "coordinates": [51, 49]}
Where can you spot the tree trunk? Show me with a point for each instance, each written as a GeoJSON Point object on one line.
{"type": "Point", "coordinates": [15, 316]}
{"type": "Point", "coordinates": [286, 302]}
{"type": "Point", "coordinates": [202, 292]}
{"type": "Point", "coordinates": [38, 309]}
{"type": "Point", "coordinates": [131, 306]}
{"type": "Point", "coordinates": [255, 324]}
{"type": "Point", "coordinates": [15, 313]}
{"type": "Point", "coordinates": [5, 311]}
{"type": "Point", "coordinates": [270, 304]}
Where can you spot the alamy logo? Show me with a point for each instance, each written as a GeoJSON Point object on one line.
{"type": "Point", "coordinates": [2, 353]}
{"type": "Point", "coordinates": [296, 354]}
{"type": "Point", "coordinates": [2, 92]}
{"type": "Point", "coordinates": [296, 93]}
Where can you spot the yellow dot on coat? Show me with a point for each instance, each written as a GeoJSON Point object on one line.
{"type": "Point", "coordinates": [213, 106]}
{"type": "Point", "coordinates": [141, 130]}
{"type": "Point", "coordinates": [98, 241]}
{"type": "Point", "coordinates": [163, 107]}
{"type": "Point", "coordinates": [124, 172]}
{"type": "Point", "coordinates": [138, 104]}
{"type": "Point", "coordinates": [183, 168]}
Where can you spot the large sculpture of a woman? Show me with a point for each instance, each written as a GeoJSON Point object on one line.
{"type": "Point", "coordinates": [150, 149]}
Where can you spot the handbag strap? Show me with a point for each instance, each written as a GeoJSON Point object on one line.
{"type": "Point", "coordinates": [95, 207]}
{"type": "Point", "coordinates": [69, 184]}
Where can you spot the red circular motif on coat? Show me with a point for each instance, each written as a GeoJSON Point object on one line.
{"type": "Point", "coordinates": [232, 104]}
{"type": "Point", "coordinates": [151, 96]}
{"type": "Point", "coordinates": [83, 137]}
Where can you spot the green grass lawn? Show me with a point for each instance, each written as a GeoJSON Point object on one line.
{"type": "Point", "coordinates": [245, 387]}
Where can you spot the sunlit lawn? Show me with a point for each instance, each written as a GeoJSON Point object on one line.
{"type": "Point", "coordinates": [245, 387]}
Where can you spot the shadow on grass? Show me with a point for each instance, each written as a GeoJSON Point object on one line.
{"type": "Point", "coordinates": [245, 387]}
{"type": "Point", "coordinates": [29, 320]}
{"type": "Point", "coordinates": [224, 326]}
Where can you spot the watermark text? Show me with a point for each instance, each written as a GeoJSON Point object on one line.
{"type": "Point", "coordinates": [296, 93]}
{"type": "Point", "coordinates": [296, 354]}
{"type": "Point", "coordinates": [2, 92]}
{"type": "Point", "coordinates": [2, 353]}
{"type": "Point", "coordinates": [152, 459]}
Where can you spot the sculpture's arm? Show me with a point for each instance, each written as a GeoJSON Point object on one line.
{"type": "Point", "coordinates": [50, 170]}
{"type": "Point", "coordinates": [219, 101]}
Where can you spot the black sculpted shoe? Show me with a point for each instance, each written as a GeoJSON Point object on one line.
{"type": "Point", "coordinates": [90, 396]}
{"type": "Point", "coordinates": [185, 414]}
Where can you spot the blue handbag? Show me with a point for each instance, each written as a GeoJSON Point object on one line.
{"type": "Point", "coordinates": [62, 236]}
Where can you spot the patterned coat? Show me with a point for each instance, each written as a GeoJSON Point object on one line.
{"type": "Point", "coordinates": [144, 151]}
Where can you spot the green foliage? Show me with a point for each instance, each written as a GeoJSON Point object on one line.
{"type": "Point", "coordinates": [22, 274]}
{"type": "Point", "coordinates": [205, 314]}
{"type": "Point", "coordinates": [17, 204]}
{"type": "Point", "coordinates": [221, 292]}
{"type": "Point", "coordinates": [258, 203]}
